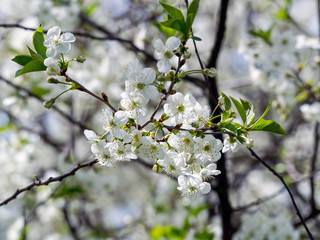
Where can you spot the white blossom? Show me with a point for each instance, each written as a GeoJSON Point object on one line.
{"type": "Point", "coordinates": [121, 152]}
{"type": "Point", "coordinates": [57, 43]}
{"type": "Point", "coordinates": [134, 106]}
{"type": "Point", "coordinates": [209, 171]}
{"type": "Point", "coordinates": [173, 163]}
{"type": "Point", "coordinates": [149, 149]}
{"type": "Point", "coordinates": [165, 52]}
{"type": "Point", "coordinates": [180, 108]}
{"type": "Point", "coordinates": [230, 145]}
{"type": "Point", "coordinates": [311, 112]}
{"type": "Point", "coordinates": [181, 141]}
{"type": "Point", "coordinates": [207, 149]}
{"type": "Point", "coordinates": [52, 66]}
{"type": "Point", "coordinates": [191, 185]}
{"type": "Point", "coordinates": [112, 122]}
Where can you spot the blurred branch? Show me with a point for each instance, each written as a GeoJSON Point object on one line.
{"type": "Point", "coordinates": [43, 135]}
{"type": "Point", "coordinates": [313, 166]}
{"type": "Point", "coordinates": [112, 36]}
{"type": "Point", "coordinates": [273, 195]}
{"type": "Point", "coordinates": [72, 228]}
{"type": "Point", "coordinates": [63, 114]}
{"type": "Point", "coordinates": [38, 182]}
{"type": "Point", "coordinates": [287, 188]}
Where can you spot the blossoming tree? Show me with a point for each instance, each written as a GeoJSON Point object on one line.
{"type": "Point", "coordinates": [154, 145]}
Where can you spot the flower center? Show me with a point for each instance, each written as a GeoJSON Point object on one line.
{"type": "Point", "coordinates": [180, 108]}
{"type": "Point", "coordinates": [140, 86]}
{"type": "Point", "coordinates": [168, 54]}
{"type": "Point", "coordinates": [206, 148]}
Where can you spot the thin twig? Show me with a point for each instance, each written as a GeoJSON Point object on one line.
{"type": "Point", "coordinates": [84, 89]}
{"type": "Point", "coordinates": [25, 90]}
{"type": "Point", "coordinates": [38, 182]}
{"type": "Point", "coordinates": [287, 188]}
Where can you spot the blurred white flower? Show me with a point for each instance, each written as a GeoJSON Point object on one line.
{"type": "Point", "coordinates": [311, 112]}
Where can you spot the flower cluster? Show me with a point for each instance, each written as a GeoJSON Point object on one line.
{"type": "Point", "coordinates": [56, 45]}
{"type": "Point", "coordinates": [176, 149]}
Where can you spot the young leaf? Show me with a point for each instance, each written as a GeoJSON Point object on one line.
{"type": "Point", "coordinates": [196, 38]}
{"type": "Point", "coordinates": [227, 102]}
{"type": "Point", "coordinates": [250, 112]}
{"type": "Point", "coordinates": [176, 24]}
{"type": "Point", "coordinates": [173, 12]}
{"type": "Point", "coordinates": [38, 40]}
{"type": "Point", "coordinates": [191, 13]}
{"type": "Point", "coordinates": [268, 126]}
{"type": "Point", "coordinates": [32, 66]}
{"type": "Point", "coordinates": [264, 35]}
{"type": "Point", "coordinates": [22, 59]}
{"type": "Point", "coordinates": [34, 55]}
{"type": "Point", "coordinates": [240, 109]}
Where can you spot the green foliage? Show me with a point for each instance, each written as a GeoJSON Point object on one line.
{"type": "Point", "coordinates": [68, 191]}
{"type": "Point", "coordinates": [167, 232]}
{"type": "Point", "coordinates": [38, 40]}
{"type": "Point", "coordinates": [34, 61]}
{"type": "Point", "coordinates": [32, 66]}
{"type": "Point", "coordinates": [264, 35]}
{"type": "Point", "coordinates": [177, 21]}
{"type": "Point", "coordinates": [247, 114]}
{"type": "Point", "coordinates": [39, 91]}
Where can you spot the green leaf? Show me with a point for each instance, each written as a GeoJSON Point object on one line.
{"type": "Point", "coordinates": [39, 91]}
{"type": "Point", "coordinates": [196, 38]}
{"type": "Point", "coordinates": [176, 24]}
{"type": "Point", "coordinates": [34, 55]}
{"type": "Point", "coordinates": [227, 102]}
{"type": "Point", "coordinates": [282, 14]}
{"type": "Point", "coordinates": [38, 40]}
{"type": "Point", "coordinates": [173, 12]}
{"type": "Point", "coordinates": [68, 191]}
{"type": "Point", "coordinates": [191, 13]}
{"type": "Point", "coordinates": [268, 126]}
{"type": "Point", "coordinates": [22, 59]}
{"type": "Point", "coordinates": [167, 232]}
{"type": "Point", "coordinates": [250, 112]}
{"type": "Point", "coordinates": [32, 66]}
{"type": "Point", "coordinates": [240, 109]}
{"type": "Point", "coordinates": [169, 32]}
{"type": "Point", "coordinates": [264, 35]}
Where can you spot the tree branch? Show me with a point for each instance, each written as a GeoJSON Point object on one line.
{"type": "Point", "coordinates": [63, 114]}
{"type": "Point", "coordinates": [287, 188]}
{"type": "Point", "coordinates": [38, 182]}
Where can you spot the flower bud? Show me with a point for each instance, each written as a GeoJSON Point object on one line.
{"type": "Point", "coordinates": [81, 59]}
{"type": "Point", "coordinates": [211, 72]}
{"type": "Point", "coordinates": [53, 80]}
{"type": "Point", "coordinates": [48, 104]}
{"type": "Point", "coordinates": [221, 100]}
{"type": "Point", "coordinates": [157, 168]}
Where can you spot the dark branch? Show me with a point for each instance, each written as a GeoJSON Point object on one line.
{"type": "Point", "coordinates": [287, 188]}
{"type": "Point", "coordinates": [38, 182]}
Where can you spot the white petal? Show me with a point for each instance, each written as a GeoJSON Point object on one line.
{"type": "Point", "coordinates": [158, 45]}
{"type": "Point", "coordinates": [67, 37]}
{"type": "Point", "coordinates": [52, 32]}
{"type": "Point", "coordinates": [173, 43]}
{"type": "Point", "coordinates": [120, 118]}
{"type": "Point", "coordinates": [148, 76]}
{"type": "Point", "coordinates": [49, 61]}
{"type": "Point", "coordinates": [205, 187]}
{"type": "Point", "coordinates": [64, 47]}
{"type": "Point", "coordinates": [51, 52]}
{"type": "Point", "coordinates": [164, 66]}
{"type": "Point", "coordinates": [151, 92]}
{"type": "Point", "coordinates": [90, 135]}
{"type": "Point", "coordinates": [182, 180]}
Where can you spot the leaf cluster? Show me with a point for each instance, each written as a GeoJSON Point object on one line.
{"type": "Point", "coordinates": [34, 61]}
